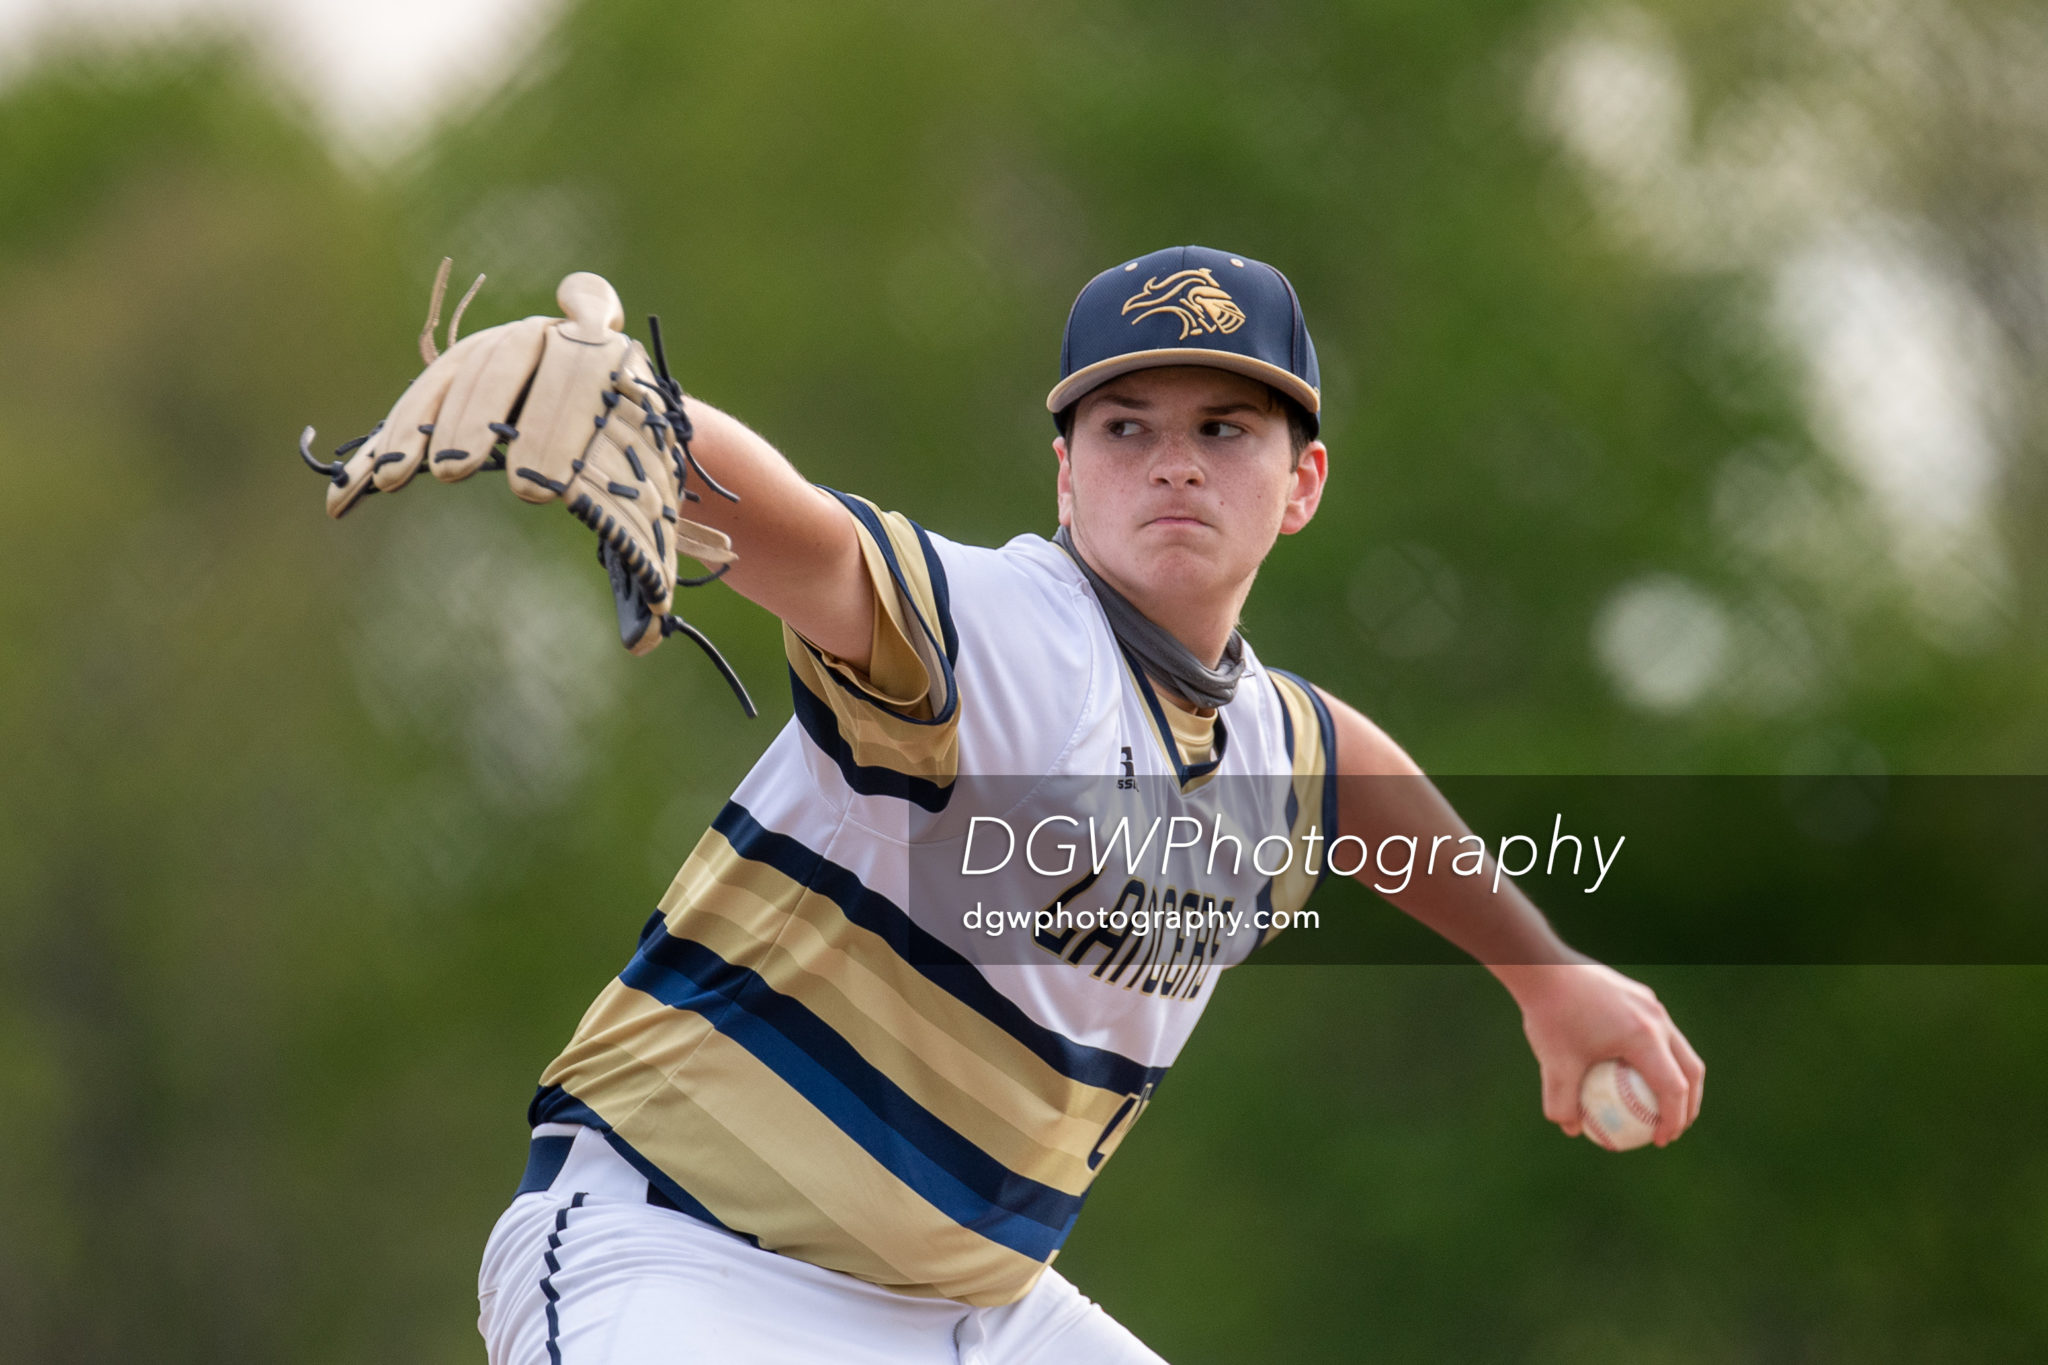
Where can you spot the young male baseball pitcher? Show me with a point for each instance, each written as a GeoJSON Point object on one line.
{"type": "Point", "coordinates": [810, 1120]}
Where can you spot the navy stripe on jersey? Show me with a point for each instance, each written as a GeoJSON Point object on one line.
{"type": "Point", "coordinates": [933, 959]}
{"type": "Point", "coordinates": [942, 598]}
{"type": "Point", "coordinates": [867, 779]}
{"type": "Point", "coordinates": [951, 1173]}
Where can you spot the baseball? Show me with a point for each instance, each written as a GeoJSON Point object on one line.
{"type": "Point", "coordinates": [1616, 1107]}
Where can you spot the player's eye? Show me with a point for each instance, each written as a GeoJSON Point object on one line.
{"type": "Point", "coordinates": [1121, 426]}
{"type": "Point", "coordinates": [1222, 429]}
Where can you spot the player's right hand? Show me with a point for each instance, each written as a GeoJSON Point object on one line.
{"type": "Point", "coordinates": [1576, 1014]}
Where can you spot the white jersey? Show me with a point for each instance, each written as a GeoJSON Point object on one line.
{"type": "Point", "coordinates": [823, 1045]}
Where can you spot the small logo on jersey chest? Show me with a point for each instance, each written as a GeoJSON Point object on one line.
{"type": "Point", "coordinates": [1129, 779]}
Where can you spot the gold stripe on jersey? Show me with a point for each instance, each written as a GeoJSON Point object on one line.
{"type": "Point", "coordinates": [894, 727]}
{"type": "Point", "coordinates": [1196, 735]}
{"type": "Point", "coordinates": [1313, 794]}
{"type": "Point", "coordinates": [727, 1171]}
{"type": "Point", "coordinates": [760, 1156]}
{"type": "Point", "coordinates": [978, 1078]}
{"type": "Point", "coordinates": [752, 1143]}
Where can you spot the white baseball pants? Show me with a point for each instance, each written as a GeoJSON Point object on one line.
{"type": "Point", "coordinates": [587, 1272]}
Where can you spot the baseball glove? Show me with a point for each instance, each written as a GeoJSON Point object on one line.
{"type": "Point", "coordinates": [571, 409]}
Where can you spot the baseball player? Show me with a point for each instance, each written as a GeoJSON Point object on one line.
{"type": "Point", "coordinates": [816, 1117]}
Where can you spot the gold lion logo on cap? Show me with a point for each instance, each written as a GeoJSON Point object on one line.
{"type": "Point", "coordinates": [1193, 296]}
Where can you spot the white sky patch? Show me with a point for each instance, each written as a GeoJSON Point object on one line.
{"type": "Point", "coordinates": [1905, 379]}
{"type": "Point", "coordinates": [473, 638]}
{"type": "Point", "coordinates": [377, 72]}
{"type": "Point", "coordinates": [1616, 94]}
{"type": "Point", "coordinates": [1901, 378]}
{"type": "Point", "coordinates": [1663, 642]}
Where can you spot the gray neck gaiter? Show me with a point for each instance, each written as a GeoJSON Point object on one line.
{"type": "Point", "coordinates": [1155, 648]}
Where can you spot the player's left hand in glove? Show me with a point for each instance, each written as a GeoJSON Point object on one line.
{"type": "Point", "coordinates": [570, 408]}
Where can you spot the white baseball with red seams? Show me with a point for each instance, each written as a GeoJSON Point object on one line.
{"type": "Point", "coordinates": [1616, 1108]}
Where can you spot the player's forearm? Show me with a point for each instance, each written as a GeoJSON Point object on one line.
{"type": "Point", "coordinates": [1507, 933]}
{"type": "Point", "coordinates": [799, 556]}
{"type": "Point", "coordinates": [1501, 928]}
{"type": "Point", "coordinates": [1382, 790]}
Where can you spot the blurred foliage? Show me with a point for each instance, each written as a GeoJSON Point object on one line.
{"type": "Point", "coordinates": [317, 839]}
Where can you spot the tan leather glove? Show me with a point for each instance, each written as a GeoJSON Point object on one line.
{"type": "Point", "coordinates": [571, 408]}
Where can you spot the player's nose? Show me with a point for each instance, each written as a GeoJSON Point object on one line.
{"type": "Point", "coordinates": [1175, 464]}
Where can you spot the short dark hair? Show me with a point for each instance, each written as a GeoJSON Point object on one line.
{"type": "Point", "coordinates": [1299, 432]}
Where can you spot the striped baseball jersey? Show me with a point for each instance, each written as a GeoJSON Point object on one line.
{"type": "Point", "coordinates": [821, 1042]}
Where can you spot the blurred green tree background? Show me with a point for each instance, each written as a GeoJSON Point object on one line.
{"type": "Point", "coordinates": [1682, 376]}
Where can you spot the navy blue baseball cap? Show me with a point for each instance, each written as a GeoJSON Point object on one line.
{"type": "Point", "coordinates": [1189, 305]}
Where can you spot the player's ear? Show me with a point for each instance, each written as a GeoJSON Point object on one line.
{"type": "Point", "coordinates": [1064, 483]}
{"type": "Point", "coordinates": [1310, 473]}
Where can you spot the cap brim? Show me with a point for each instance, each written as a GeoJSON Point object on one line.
{"type": "Point", "coordinates": [1102, 371]}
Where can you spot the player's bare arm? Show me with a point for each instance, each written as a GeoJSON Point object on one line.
{"type": "Point", "coordinates": [1575, 1011]}
{"type": "Point", "coordinates": [798, 553]}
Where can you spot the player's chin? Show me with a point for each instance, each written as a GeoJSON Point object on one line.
{"type": "Point", "coordinates": [1177, 567]}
